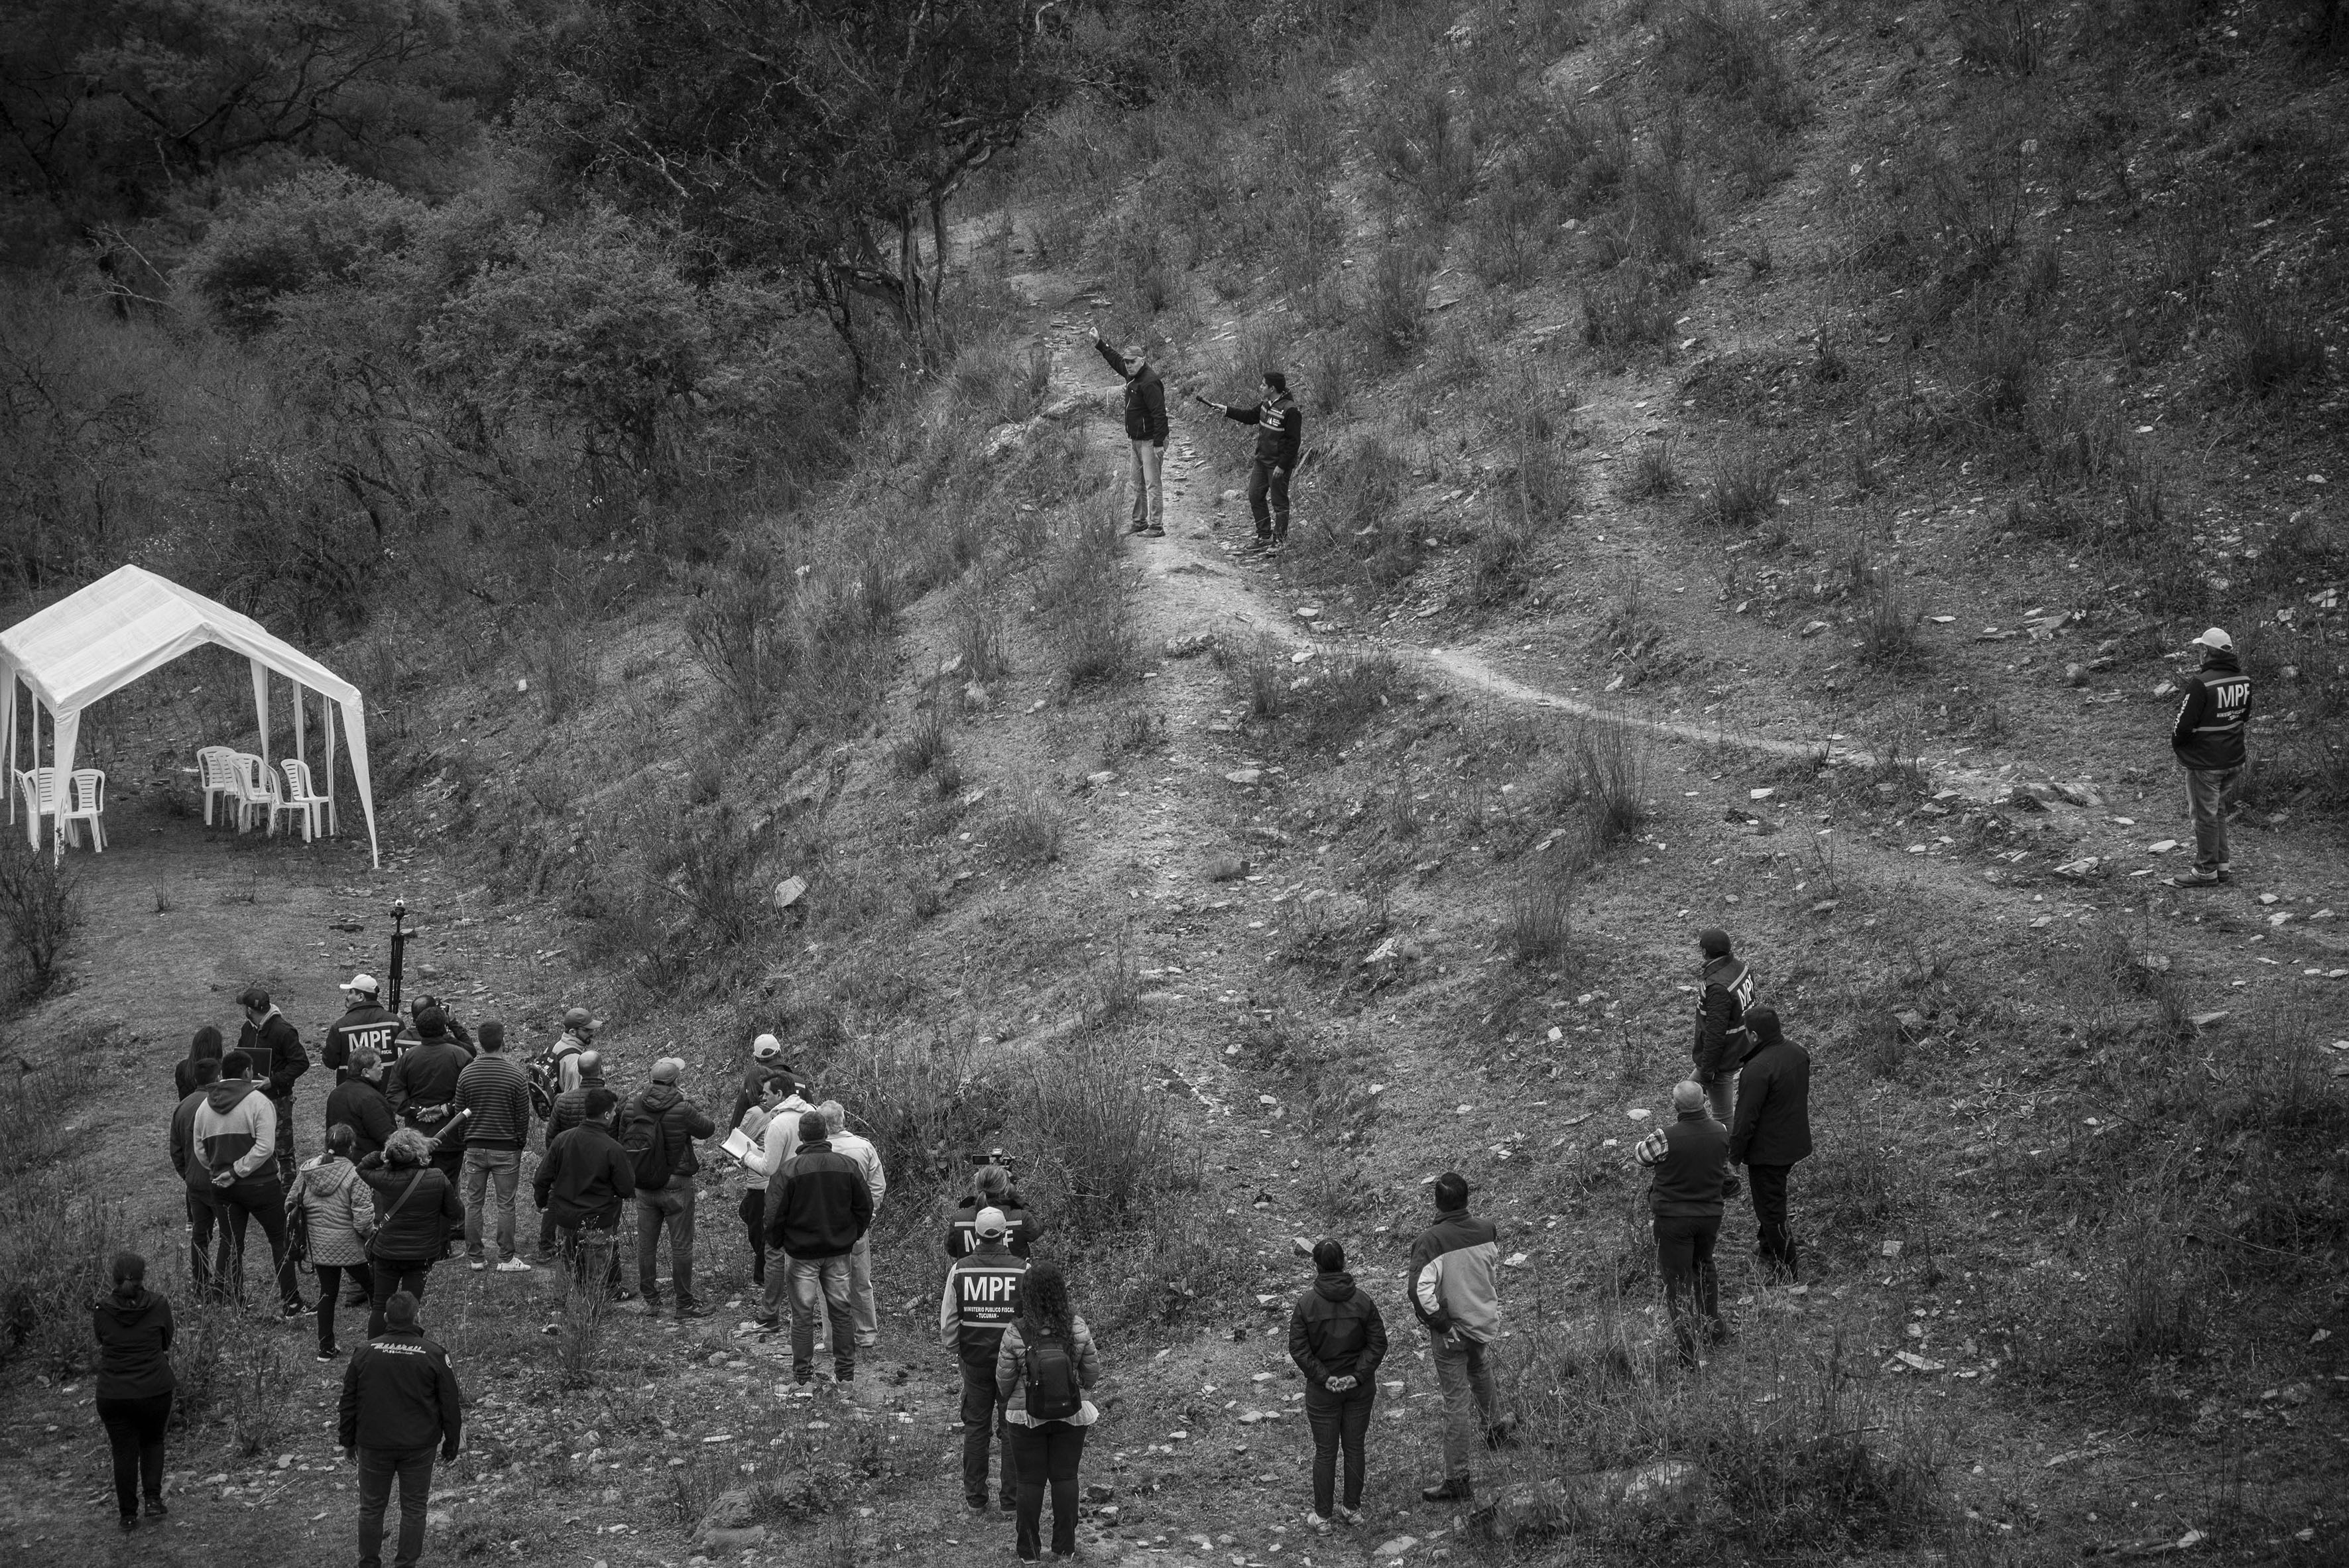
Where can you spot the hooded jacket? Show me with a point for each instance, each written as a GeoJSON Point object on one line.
{"type": "Point", "coordinates": [585, 1177]}
{"type": "Point", "coordinates": [2212, 715]}
{"type": "Point", "coordinates": [235, 1128]}
{"type": "Point", "coordinates": [1145, 399]}
{"type": "Point", "coordinates": [1336, 1332]}
{"type": "Point", "coordinates": [366, 1027]}
{"type": "Point", "coordinates": [779, 1140]}
{"type": "Point", "coordinates": [818, 1204]}
{"type": "Point", "coordinates": [1690, 1160]}
{"type": "Point", "coordinates": [358, 1104]}
{"type": "Point", "coordinates": [681, 1121]}
{"type": "Point", "coordinates": [134, 1345]}
{"type": "Point", "coordinates": [287, 1059]}
{"type": "Point", "coordinates": [962, 1236]}
{"type": "Point", "coordinates": [1455, 1278]}
{"type": "Point", "coordinates": [419, 1230]}
{"type": "Point", "coordinates": [1279, 429]}
{"type": "Point", "coordinates": [982, 1295]}
{"type": "Point", "coordinates": [342, 1214]}
{"type": "Point", "coordinates": [1774, 1106]}
{"type": "Point", "coordinates": [400, 1395]}
{"type": "Point", "coordinates": [1724, 995]}
{"type": "Point", "coordinates": [496, 1089]}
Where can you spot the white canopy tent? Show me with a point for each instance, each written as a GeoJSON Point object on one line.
{"type": "Point", "coordinates": [129, 621]}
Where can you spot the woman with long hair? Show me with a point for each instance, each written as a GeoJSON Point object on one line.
{"type": "Point", "coordinates": [206, 1047]}
{"type": "Point", "coordinates": [1043, 1368]}
{"type": "Point", "coordinates": [416, 1205]}
{"type": "Point", "coordinates": [134, 1385]}
{"type": "Point", "coordinates": [331, 1193]}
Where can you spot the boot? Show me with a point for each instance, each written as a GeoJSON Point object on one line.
{"type": "Point", "coordinates": [1459, 1489]}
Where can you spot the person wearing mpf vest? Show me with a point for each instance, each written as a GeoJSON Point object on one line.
{"type": "Point", "coordinates": [2207, 737]}
{"type": "Point", "coordinates": [1724, 992]}
{"type": "Point", "coordinates": [981, 1296]}
{"type": "Point", "coordinates": [1043, 1370]}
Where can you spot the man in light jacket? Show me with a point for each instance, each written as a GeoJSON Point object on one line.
{"type": "Point", "coordinates": [1456, 1290]}
{"type": "Point", "coordinates": [860, 1259]}
{"type": "Point", "coordinates": [235, 1141]}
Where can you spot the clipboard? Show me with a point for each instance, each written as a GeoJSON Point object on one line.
{"type": "Point", "coordinates": [741, 1145]}
{"type": "Point", "coordinates": [262, 1056]}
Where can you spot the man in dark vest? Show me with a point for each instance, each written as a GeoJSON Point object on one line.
{"type": "Point", "coordinates": [981, 1295]}
{"type": "Point", "coordinates": [1725, 990]}
{"type": "Point", "coordinates": [2207, 737]}
{"type": "Point", "coordinates": [366, 1024]}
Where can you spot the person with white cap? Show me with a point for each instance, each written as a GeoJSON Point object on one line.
{"type": "Point", "coordinates": [767, 1066]}
{"type": "Point", "coordinates": [1686, 1195]}
{"type": "Point", "coordinates": [2207, 737]}
{"type": "Point", "coordinates": [366, 1025]}
{"type": "Point", "coordinates": [982, 1294]}
{"type": "Point", "coordinates": [657, 1127]}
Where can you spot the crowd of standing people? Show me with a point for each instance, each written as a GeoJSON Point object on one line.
{"type": "Point", "coordinates": [422, 1161]}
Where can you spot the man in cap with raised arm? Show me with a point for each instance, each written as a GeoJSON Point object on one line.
{"type": "Point", "coordinates": [366, 1025]}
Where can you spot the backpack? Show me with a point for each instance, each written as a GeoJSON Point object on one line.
{"type": "Point", "coordinates": [1052, 1392]}
{"type": "Point", "coordinates": [647, 1142]}
{"type": "Point", "coordinates": [546, 1077]}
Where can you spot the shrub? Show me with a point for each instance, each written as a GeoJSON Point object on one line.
{"type": "Point", "coordinates": [2273, 343]}
{"type": "Point", "coordinates": [1539, 922]}
{"type": "Point", "coordinates": [564, 671]}
{"type": "Point", "coordinates": [1628, 306]}
{"type": "Point", "coordinates": [924, 746]}
{"type": "Point", "coordinates": [1081, 595]}
{"type": "Point", "coordinates": [1394, 313]}
{"type": "Point", "coordinates": [1343, 696]}
{"type": "Point", "coordinates": [1029, 833]}
{"type": "Point", "coordinates": [1613, 761]}
{"type": "Point", "coordinates": [40, 902]}
{"type": "Point", "coordinates": [1724, 48]}
{"type": "Point", "coordinates": [1887, 626]}
{"type": "Point", "coordinates": [1329, 367]}
{"type": "Point", "coordinates": [2002, 36]}
{"type": "Point", "coordinates": [979, 633]}
{"type": "Point", "coordinates": [1743, 491]}
{"type": "Point", "coordinates": [1421, 142]}
{"type": "Point", "coordinates": [740, 632]}
{"type": "Point", "coordinates": [1501, 558]}
{"type": "Point", "coordinates": [55, 1244]}
{"type": "Point", "coordinates": [1102, 1143]}
{"type": "Point", "coordinates": [1509, 230]}
{"type": "Point", "coordinates": [1654, 471]}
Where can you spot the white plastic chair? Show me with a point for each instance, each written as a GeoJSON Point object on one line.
{"type": "Point", "coordinates": [256, 789]}
{"type": "Point", "coordinates": [85, 802]}
{"type": "Point", "coordinates": [37, 786]}
{"type": "Point", "coordinates": [216, 771]}
{"type": "Point", "coordinates": [298, 796]}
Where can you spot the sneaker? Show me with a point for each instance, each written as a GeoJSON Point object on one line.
{"type": "Point", "coordinates": [154, 1508]}
{"type": "Point", "coordinates": [513, 1265]}
{"type": "Point", "coordinates": [1154, 534]}
{"type": "Point", "coordinates": [477, 1265]}
{"type": "Point", "coordinates": [1459, 1489]}
{"type": "Point", "coordinates": [330, 1353]}
{"type": "Point", "coordinates": [691, 1309]}
{"type": "Point", "coordinates": [1350, 1515]}
{"type": "Point", "coordinates": [1316, 1524]}
{"type": "Point", "coordinates": [294, 1309]}
{"type": "Point", "coordinates": [2194, 879]}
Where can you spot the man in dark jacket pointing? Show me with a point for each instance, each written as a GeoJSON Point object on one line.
{"type": "Point", "coordinates": [400, 1401]}
{"type": "Point", "coordinates": [1279, 438]}
{"type": "Point", "coordinates": [1145, 431]}
{"type": "Point", "coordinates": [1772, 1131]}
{"type": "Point", "coordinates": [2207, 738]}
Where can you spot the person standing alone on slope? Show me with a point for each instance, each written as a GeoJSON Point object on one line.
{"type": "Point", "coordinates": [1146, 432]}
{"type": "Point", "coordinates": [1456, 1290]}
{"type": "Point", "coordinates": [2207, 738]}
{"type": "Point", "coordinates": [1279, 438]}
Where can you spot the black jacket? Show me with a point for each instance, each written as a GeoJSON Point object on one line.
{"type": "Point", "coordinates": [1336, 1332]}
{"type": "Point", "coordinates": [586, 1176]}
{"type": "Point", "coordinates": [183, 1076]}
{"type": "Point", "coordinates": [287, 1059]}
{"type": "Point", "coordinates": [400, 1394]}
{"type": "Point", "coordinates": [1774, 1106]}
{"type": "Point", "coordinates": [358, 1104]}
{"type": "Point", "coordinates": [682, 1122]}
{"type": "Point", "coordinates": [2213, 715]}
{"type": "Point", "coordinates": [198, 1177]}
{"type": "Point", "coordinates": [1279, 429]}
{"type": "Point", "coordinates": [418, 1230]}
{"type": "Point", "coordinates": [819, 1203]}
{"type": "Point", "coordinates": [1026, 1228]}
{"type": "Point", "coordinates": [423, 1080]}
{"type": "Point", "coordinates": [571, 1108]}
{"type": "Point", "coordinates": [1145, 400]}
{"type": "Point", "coordinates": [365, 1027]}
{"type": "Point", "coordinates": [1690, 1161]}
{"type": "Point", "coordinates": [134, 1345]}
{"type": "Point", "coordinates": [1723, 998]}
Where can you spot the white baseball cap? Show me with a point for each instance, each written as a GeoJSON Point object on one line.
{"type": "Point", "coordinates": [766, 1047]}
{"type": "Point", "coordinates": [362, 982]}
{"type": "Point", "coordinates": [990, 1222]}
{"type": "Point", "coordinates": [2215, 637]}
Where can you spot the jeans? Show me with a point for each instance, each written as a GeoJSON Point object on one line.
{"type": "Point", "coordinates": [754, 1213]}
{"type": "Point", "coordinates": [483, 1166]}
{"type": "Point", "coordinates": [392, 1275]}
{"type": "Point", "coordinates": [982, 1417]}
{"type": "Point", "coordinates": [208, 1253]}
{"type": "Point", "coordinates": [1268, 499]}
{"type": "Point", "coordinates": [824, 1280]}
{"type": "Point", "coordinates": [671, 1208]}
{"type": "Point", "coordinates": [134, 1430]}
{"type": "Point", "coordinates": [377, 1467]}
{"type": "Point", "coordinates": [860, 1305]}
{"type": "Point", "coordinates": [2209, 791]}
{"type": "Point", "coordinates": [1467, 1383]}
{"type": "Point", "coordinates": [1692, 1290]}
{"type": "Point", "coordinates": [1149, 490]}
{"type": "Point", "coordinates": [330, 1291]}
{"type": "Point", "coordinates": [1338, 1419]}
{"type": "Point", "coordinates": [262, 1198]}
{"type": "Point", "coordinates": [1777, 1241]}
{"type": "Point", "coordinates": [1048, 1455]}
